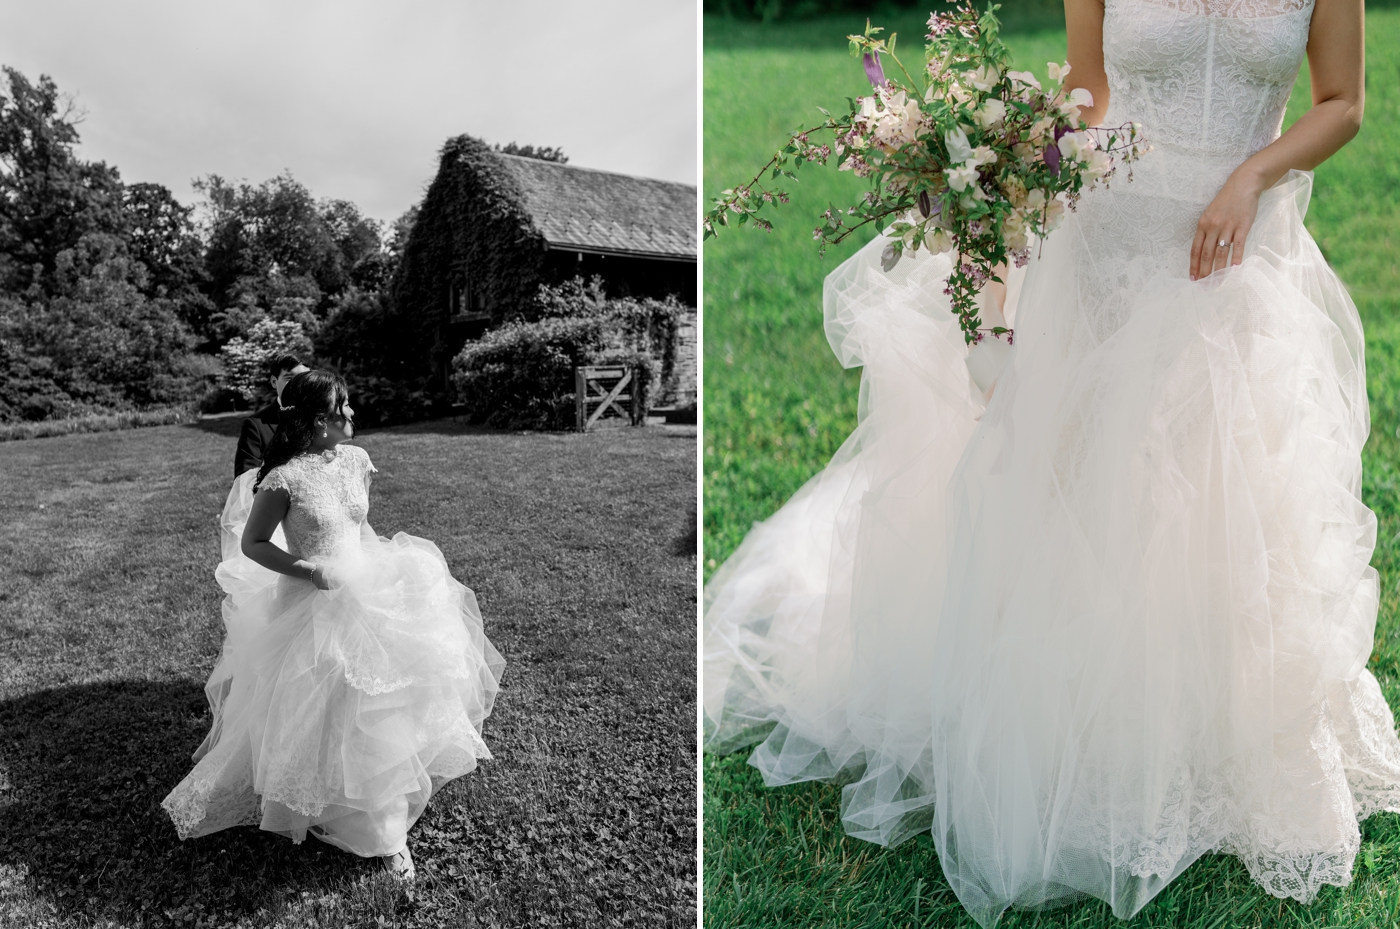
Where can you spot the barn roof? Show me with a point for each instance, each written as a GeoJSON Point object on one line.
{"type": "Point", "coordinates": [598, 211]}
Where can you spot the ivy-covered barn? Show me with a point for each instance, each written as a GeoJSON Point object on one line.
{"type": "Point", "coordinates": [492, 227]}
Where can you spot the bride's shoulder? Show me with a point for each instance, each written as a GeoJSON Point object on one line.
{"type": "Point", "coordinates": [359, 456]}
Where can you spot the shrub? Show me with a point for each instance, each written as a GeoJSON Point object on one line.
{"type": "Point", "coordinates": [96, 422]}
{"type": "Point", "coordinates": [99, 345]}
{"type": "Point", "coordinates": [246, 360]}
{"type": "Point", "coordinates": [521, 375]}
{"type": "Point", "coordinates": [361, 340]}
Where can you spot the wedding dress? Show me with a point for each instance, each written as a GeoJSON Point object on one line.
{"type": "Point", "coordinates": [1117, 617]}
{"type": "Point", "coordinates": [337, 712]}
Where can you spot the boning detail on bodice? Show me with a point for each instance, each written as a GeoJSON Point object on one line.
{"type": "Point", "coordinates": [1208, 76]}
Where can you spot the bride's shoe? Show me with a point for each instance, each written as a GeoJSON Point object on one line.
{"type": "Point", "coordinates": [399, 865]}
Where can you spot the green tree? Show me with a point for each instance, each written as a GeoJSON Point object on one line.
{"type": "Point", "coordinates": [49, 198]}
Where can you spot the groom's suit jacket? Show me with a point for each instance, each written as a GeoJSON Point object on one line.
{"type": "Point", "coordinates": [258, 430]}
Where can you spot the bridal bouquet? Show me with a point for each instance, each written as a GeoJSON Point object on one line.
{"type": "Point", "coordinates": [977, 160]}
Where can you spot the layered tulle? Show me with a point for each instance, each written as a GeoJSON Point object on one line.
{"type": "Point", "coordinates": [1115, 619]}
{"type": "Point", "coordinates": [339, 712]}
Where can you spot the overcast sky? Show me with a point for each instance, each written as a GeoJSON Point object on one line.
{"type": "Point", "coordinates": [355, 98]}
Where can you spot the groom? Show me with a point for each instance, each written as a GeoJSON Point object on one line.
{"type": "Point", "coordinates": [259, 428]}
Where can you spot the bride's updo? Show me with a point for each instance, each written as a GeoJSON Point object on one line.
{"type": "Point", "coordinates": [306, 396]}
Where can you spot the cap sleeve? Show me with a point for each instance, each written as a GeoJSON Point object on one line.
{"type": "Point", "coordinates": [276, 479]}
{"type": "Point", "coordinates": [366, 466]}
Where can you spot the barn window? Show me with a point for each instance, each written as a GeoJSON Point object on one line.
{"type": "Point", "coordinates": [463, 299]}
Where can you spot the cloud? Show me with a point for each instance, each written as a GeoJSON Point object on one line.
{"type": "Point", "coordinates": [355, 98]}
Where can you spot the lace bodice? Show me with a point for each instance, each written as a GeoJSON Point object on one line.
{"type": "Point", "coordinates": [329, 499]}
{"type": "Point", "coordinates": [1210, 76]}
{"type": "Point", "coordinates": [1209, 81]}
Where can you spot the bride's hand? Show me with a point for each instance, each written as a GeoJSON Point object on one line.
{"type": "Point", "coordinates": [1225, 223]}
{"type": "Point", "coordinates": [320, 579]}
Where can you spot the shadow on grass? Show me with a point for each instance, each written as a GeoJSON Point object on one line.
{"type": "Point", "coordinates": [89, 766]}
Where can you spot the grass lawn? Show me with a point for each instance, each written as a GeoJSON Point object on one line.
{"type": "Point", "coordinates": [110, 622]}
{"type": "Point", "coordinates": [777, 405]}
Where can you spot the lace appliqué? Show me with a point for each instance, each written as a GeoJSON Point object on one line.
{"type": "Point", "coordinates": [1289, 810]}
{"type": "Point", "coordinates": [329, 499]}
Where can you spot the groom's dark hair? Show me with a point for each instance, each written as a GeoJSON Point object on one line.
{"type": "Point", "coordinates": [282, 363]}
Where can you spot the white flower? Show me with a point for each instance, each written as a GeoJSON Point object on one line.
{"type": "Point", "coordinates": [1078, 97]}
{"type": "Point", "coordinates": [1054, 214]}
{"type": "Point", "coordinates": [1025, 77]}
{"type": "Point", "coordinates": [1014, 190]}
{"type": "Point", "coordinates": [1058, 73]}
{"type": "Point", "coordinates": [961, 152]}
{"type": "Point", "coordinates": [1076, 145]}
{"type": "Point", "coordinates": [1035, 200]}
{"type": "Point", "coordinates": [1024, 151]}
{"type": "Point", "coordinates": [939, 242]}
{"type": "Point", "coordinates": [984, 78]}
{"type": "Point", "coordinates": [959, 148]}
{"type": "Point", "coordinates": [991, 113]}
{"type": "Point", "coordinates": [1014, 230]}
{"type": "Point", "coordinates": [1099, 164]}
{"type": "Point", "coordinates": [958, 92]}
{"type": "Point", "coordinates": [959, 178]}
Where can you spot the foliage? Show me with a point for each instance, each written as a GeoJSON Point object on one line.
{"type": "Point", "coordinates": [775, 10]}
{"type": "Point", "coordinates": [275, 251]}
{"type": "Point", "coordinates": [543, 153]}
{"type": "Point", "coordinates": [113, 298]}
{"type": "Point", "coordinates": [96, 342]}
{"type": "Point", "coordinates": [96, 422]}
{"type": "Point", "coordinates": [778, 406]}
{"type": "Point", "coordinates": [973, 158]}
{"type": "Point", "coordinates": [521, 374]}
{"type": "Point", "coordinates": [362, 340]}
{"type": "Point", "coordinates": [49, 198]}
{"type": "Point", "coordinates": [789, 11]}
{"type": "Point", "coordinates": [246, 359]}
{"type": "Point", "coordinates": [111, 623]}
{"type": "Point", "coordinates": [473, 214]}
{"type": "Point", "coordinates": [102, 279]}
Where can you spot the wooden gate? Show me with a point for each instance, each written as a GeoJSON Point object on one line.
{"type": "Point", "coordinates": [602, 388]}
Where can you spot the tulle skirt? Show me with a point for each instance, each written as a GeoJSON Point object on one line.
{"type": "Point", "coordinates": [339, 712]}
{"type": "Point", "coordinates": [1115, 618]}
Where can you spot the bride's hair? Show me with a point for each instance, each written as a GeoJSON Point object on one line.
{"type": "Point", "coordinates": [306, 396]}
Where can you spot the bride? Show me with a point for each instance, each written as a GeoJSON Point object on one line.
{"type": "Point", "coordinates": [355, 675]}
{"type": "Point", "coordinates": [1116, 616]}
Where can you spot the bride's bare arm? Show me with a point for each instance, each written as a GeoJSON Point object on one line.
{"type": "Point", "coordinates": [269, 509]}
{"type": "Point", "coordinates": [1336, 62]}
{"type": "Point", "coordinates": [1084, 35]}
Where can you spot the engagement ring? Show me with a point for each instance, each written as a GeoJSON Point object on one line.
{"type": "Point", "coordinates": [1223, 243]}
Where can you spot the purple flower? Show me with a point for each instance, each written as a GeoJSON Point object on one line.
{"type": "Point", "coordinates": [873, 69]}
{"type": "Point", "coordinates": [1052, 157]}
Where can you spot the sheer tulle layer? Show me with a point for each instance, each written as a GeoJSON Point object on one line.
{"type": "Point", "coordinates": [340, 712]}
{"type": "Point", "coordinates": [1119, 621]}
